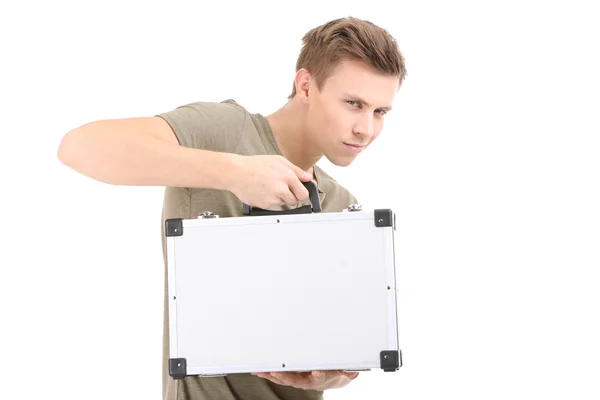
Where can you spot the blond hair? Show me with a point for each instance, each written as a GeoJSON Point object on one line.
{"type": "Point", "coordinates": [349, 38]}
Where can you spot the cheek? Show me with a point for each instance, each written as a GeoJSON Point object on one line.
{"type": "Point", "coordinates": [328, 122]}
{"type": "Point", "coordinates": [340, 123]}
{"type": "Point", "coordinates": [378, 129]}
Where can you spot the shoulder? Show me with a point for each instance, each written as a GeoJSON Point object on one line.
{"type": "Point", "coordinates": [208, 124]}
{"type": "Point", "coordinates": [229, 105]}
{"type": "Point", "coordinates": [226, 110]}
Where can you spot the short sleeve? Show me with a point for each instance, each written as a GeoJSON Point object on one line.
{"type": "Point", "coordinates": [215, 126]}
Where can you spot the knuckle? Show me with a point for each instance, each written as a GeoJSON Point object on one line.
{"type": "Point", "coordinates": [282, 189]}
{"type": "Point", "coordinates": [274, 202]}
{"type": "Point", "coordinates": [290, 176]}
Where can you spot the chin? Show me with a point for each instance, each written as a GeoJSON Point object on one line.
{"type": "Point", "coordinates": [340, 161]}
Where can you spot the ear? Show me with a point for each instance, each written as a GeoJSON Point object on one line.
{"type": "Point", "coordinates": [303, 82]}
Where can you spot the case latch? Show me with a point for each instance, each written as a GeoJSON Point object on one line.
{"type": "Point", "coordinates": [207, 215]}
{"type": "Point", "coordinates": [353, 207]}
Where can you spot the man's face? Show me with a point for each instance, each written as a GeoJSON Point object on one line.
{"type": "Point", "coordinates": [347, 114]}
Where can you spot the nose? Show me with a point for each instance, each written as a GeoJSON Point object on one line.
{"type": "Point", "coordinates": [364, 127]}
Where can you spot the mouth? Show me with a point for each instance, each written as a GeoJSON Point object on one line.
{"type": "Point", "coordinates": [357, 148]}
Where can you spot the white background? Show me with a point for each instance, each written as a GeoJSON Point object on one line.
{"type": "Point", "coordinates": [490, 160]}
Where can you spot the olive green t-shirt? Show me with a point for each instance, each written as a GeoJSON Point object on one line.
{"type": "Point", "coordinates": [228, 127]}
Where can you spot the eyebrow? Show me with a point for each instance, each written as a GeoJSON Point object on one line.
{"type": "Point", "coordinates": [356, 98]}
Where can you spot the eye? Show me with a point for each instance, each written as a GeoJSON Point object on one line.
{"type": "Point", "coordinates": [353, 103]}
{"type": "Point", "coordinates": [381, 112]}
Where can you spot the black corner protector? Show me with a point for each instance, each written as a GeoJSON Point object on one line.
{"type": "Point", "coordinates": [384, 218]}
{"type": "Point", "coordinates": [174, 227]}
{"type": "Point", "coordinates": [390, 360]}
{"type": "Point", "coordinates": [177, 368]}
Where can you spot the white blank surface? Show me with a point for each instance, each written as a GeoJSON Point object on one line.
{"type": "Point", "coordinates": [263, 295]}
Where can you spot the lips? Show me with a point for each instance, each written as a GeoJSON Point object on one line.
{"type": "Point", "coordinates": [354, 147]}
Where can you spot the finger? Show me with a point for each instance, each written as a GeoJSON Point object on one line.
{"type": "Point", "coordinates": [326, 374]}
{"type": "Point", "coordinates": [289, 198]}
{"type": "Point", "coordinates": [299, 380]}
{"type": "Point", "coordinates": [288, 377]}
{"type": "Point", "coordinates": [351, 375]}
{"type": "Point", "coordinates": [300, 173]}
{"type": "Point", "coordinates": [319, 375]}
{"type": "Point", "coordinates": [264, 375]}
{"type": "Point", "coordinates": [275, 379]}
{"type": "Point", "coordinates": [298, 189]}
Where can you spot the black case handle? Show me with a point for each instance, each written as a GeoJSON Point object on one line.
{"type": "Point", "coordinates": [314, 207]}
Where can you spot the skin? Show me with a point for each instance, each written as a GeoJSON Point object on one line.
{"type": "Point", "coordinates": [317, 123]}
{"type": "Point", "coordinates": [312, 380]}
{"type": "Point", "coordinates": [349, 108]}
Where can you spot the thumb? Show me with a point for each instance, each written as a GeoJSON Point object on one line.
{"type": "Point", "coordinates": [351, 375]}
{"type": "Point", "coordinates": [300, 173]}
{"type": "Point", "coordinates": [318, 374]}
{"type": "Point", "coordinates": [303, 175]}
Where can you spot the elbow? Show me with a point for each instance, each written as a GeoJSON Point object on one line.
{"type": "Point", "coordinates": [68, 149]}
{"type": "Point", "coordinates": [81, 151]}
{"type": "Point", "coordinates": [75, 149]}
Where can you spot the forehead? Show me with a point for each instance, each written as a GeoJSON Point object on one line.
{"type": "Point", "coordinates": [362, 80]}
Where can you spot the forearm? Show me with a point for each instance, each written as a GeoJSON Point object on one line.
{"type": "Point", "coordinates": [161, 165]}
{"type": "Point", "coordinates": [110, 151]}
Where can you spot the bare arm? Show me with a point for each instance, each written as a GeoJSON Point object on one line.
{"type": "Point", "coordinates": [142, 151]}
{"type": "Point", "coordinates": [145, 152]}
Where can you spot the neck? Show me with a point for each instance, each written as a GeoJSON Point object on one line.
{"type": "Point", "coordinates": [291, 134]}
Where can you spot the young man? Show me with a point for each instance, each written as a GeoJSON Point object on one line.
{"type": "Point", "coordinates": [214, 156]}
